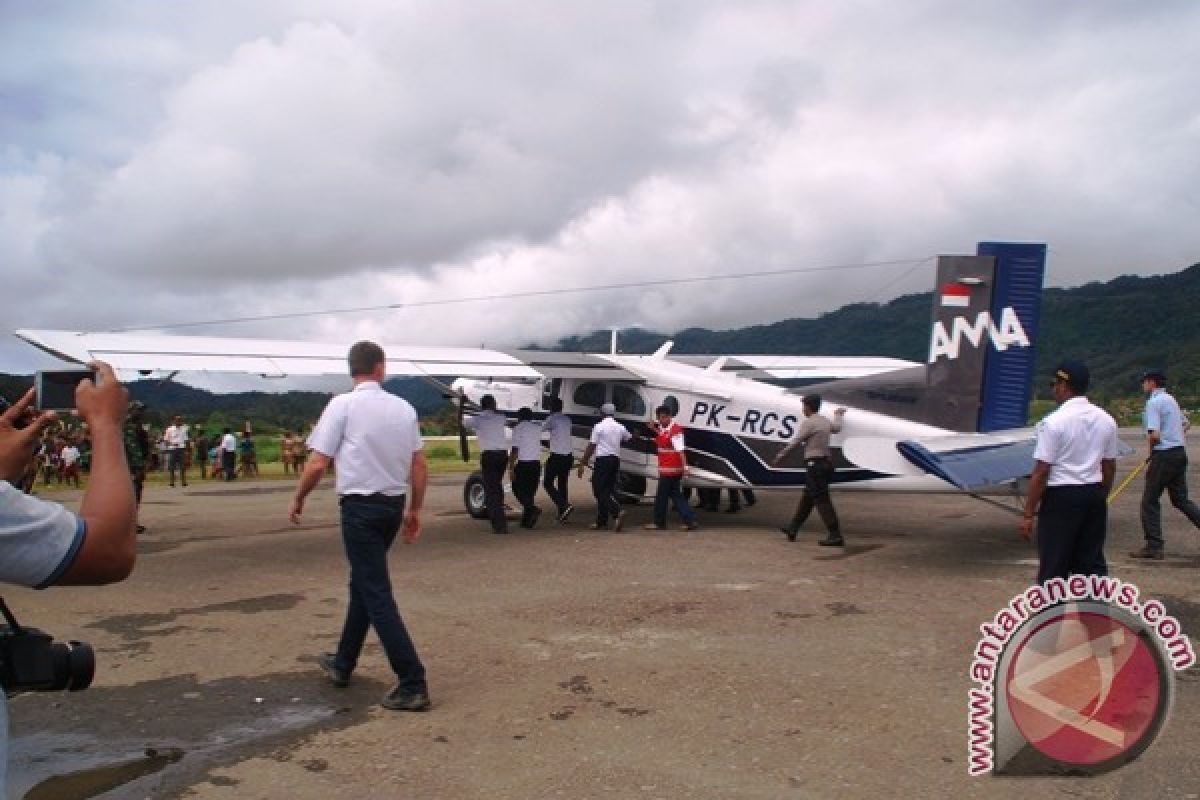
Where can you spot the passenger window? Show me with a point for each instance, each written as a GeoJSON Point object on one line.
{"type": "Point", "coordinates": [589, 395]}
{"type": "Point", "coordinates": [628, 401]}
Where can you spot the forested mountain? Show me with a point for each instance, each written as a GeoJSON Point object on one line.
{"type": "Point", "coordinates": [1120, 328]}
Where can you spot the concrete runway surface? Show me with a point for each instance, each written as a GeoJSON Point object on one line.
{"type": "Point", "coordinates": [720, 664]}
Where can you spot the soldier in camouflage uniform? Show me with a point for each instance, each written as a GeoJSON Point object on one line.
{"type": "Point", "coordinates": [137, 448]}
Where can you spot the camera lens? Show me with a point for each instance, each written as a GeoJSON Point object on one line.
{"type": "Point", "coordinates": [77, 662]}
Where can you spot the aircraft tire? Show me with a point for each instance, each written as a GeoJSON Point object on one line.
{"type": "Point", "coordinates": [473, 496]}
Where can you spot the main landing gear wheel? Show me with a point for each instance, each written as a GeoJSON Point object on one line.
{"type": "Point", "coordinates": [473, 496]}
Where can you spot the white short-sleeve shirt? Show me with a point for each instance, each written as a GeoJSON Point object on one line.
{"type": "Point", "coordinates": [607, 436]}
{"type": "Point", "coordinates": [372, 436]}
{"type": "Point", "coordinates": [1073, 440]}
{"type": "Point", "coordinates": [527, 439]}
{"type": "Point", "coordinates": [558, 425]}
{"type": "Point", "coordinates": [490, 428]}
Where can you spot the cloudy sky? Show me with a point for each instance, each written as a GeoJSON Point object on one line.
{"type": "Point", "coordinates": [168, 162]}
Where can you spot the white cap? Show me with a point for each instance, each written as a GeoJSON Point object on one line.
{"type": "Point", "coordinates": [608, 409]}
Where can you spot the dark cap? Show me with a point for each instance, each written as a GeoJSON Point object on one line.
{"type": "Point", "coordinates": [1075, 374]}
{"type": "Point", "coordinates": [1156, 375]}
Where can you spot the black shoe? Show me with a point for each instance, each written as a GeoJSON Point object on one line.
{"type": "Point", "coordinates": [501, 532]}
{"type": "Point", "coordinates": [689, 526]}
{"type": "Point", "coordinates": [141, 528]}
{"type": "Point", "coordinates": [339, 678]}
{"type": "Point", "coordinates": [565, 514]}
{"type": "Point", "coordinates": [399, 700]}
{"type": "Point", "coordinates": [733, 509]}
{"type": "Point", "coordinates": [791, 534]}
{"type": "Point", "coordinates": [832, 541]}
{"type": "Point", "coordinates": [1154, 553]}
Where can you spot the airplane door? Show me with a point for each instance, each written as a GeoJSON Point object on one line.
{"type": "Point", "coordinates": [639, 454]}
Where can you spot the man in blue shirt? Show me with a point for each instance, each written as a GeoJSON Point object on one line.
{"type": "Point", "coordinates": [1165, 427]}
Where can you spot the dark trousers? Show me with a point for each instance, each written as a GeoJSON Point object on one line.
{"type": "Point", "coordinates": [493, 464]}
{"type": "Point", "coordinates": [1167, 470]}
{"type": "Point", "coordinates": [604, 487]}
{"type": "Point", "coordinates": [558, 469]}
{"type": "Point", "coordinates": [176, 461]}
{"type": "Point", "coordinates": [229, 464]}
{"type": "Point", "coordinates": [1070, 531]}
{"type": "Point", "coordinates": [525, 485]}
{"type": "Point", "coordinates": [669, 490]}
{"type": "Point", "coordinates": [816, 495]}
{"type": "Point", "coordinates": [368, 529]}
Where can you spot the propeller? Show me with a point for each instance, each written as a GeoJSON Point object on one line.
{"type": "Point", "coordinates": [463, 447]}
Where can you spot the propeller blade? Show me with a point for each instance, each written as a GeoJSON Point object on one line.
{"type": "Point", "coordinates": [463, 447]}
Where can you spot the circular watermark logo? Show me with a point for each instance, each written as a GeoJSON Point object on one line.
{"type": "Point", "coordinates": [1074, 676]}
{"type": "Point", "coordinates": [1087, 686]}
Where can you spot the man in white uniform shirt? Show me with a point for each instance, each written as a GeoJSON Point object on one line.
{"type": "Point", "coordinates": [1074, 463]}
{"type": "Point", "coordinates": [374, 438]}
{"type": "Point", "coordinates": [44, 544]}
{"type": "Point", "coordinates": [558, 464]}
{"type": "Point", "coordinates": [491, 431]}
{"type": "Point", "coordinates": [525, 464]}
{"type": "Point", "coordinates": [605, 442]}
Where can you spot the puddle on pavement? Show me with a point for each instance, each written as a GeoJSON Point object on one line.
{"type": "Point", "coordinates": [162, 736]}
{"type": "Point", "coordinates": [95, 781]}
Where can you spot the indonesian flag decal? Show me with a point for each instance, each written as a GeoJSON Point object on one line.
{"type": "Point", "coordinates": [955, 295]}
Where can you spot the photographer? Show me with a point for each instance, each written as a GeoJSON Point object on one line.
{"type": "Point", "coordinates": [42, 543]}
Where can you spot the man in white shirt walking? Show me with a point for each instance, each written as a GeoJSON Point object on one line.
{"type": "Point", "coordinates": [381, 476]}
{"type": "Point", "coordinates": [562, 454]}
{"type": "Point", "coordinates": [491, 431]}
{"type": "Point", "coordinates": [525, 465]}
{"type": "Point", "coordinates": [605, 442]}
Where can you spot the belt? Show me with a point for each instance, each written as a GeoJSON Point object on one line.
{"type": "Point", "coordinates": [376, 499]}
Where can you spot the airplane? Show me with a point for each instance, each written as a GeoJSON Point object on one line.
{"type": "Point", "coordinates": [956, 423]}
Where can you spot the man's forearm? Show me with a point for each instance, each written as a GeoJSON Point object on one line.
{"type": "Point", "coordinates": [418, 480]}
{"type": "Point", "coordinates": [109, 510]}
{"type": "Point", "coordinates": [313, 472]}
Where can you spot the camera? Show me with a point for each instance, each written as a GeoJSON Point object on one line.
{"type": "Point", "coordinates": [31, 661]}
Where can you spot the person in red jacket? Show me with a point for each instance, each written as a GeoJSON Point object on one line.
{"type": "Point", "coordinates": [672, 466]}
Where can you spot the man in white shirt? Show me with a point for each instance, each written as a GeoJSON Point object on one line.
{"type": "Point", "coordinates": [562, 454]}
{"type": "Point", "coordinates": [43, 544]}
{"type": "Point", "coordinates": [605, 442]}
{"type": "Point", "coordinates": [491, 431]}
{"type": "Point", "coordinates": [1074, 463]}
{"type": "Point", "coordinates": [227, 452]}
{"type": "Point", "coordinates": [525, 464]}
{"type": "Point", "coordinates": [376, 441]}
{"type": "Point", "coordinates": [175, 437]}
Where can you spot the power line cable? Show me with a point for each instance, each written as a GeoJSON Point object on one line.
{"type": "Point", "coordinates": [534, 293]}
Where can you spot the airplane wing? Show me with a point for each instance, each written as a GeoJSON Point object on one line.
{"type": "Point", "coordinates": [267, 357]}
{"type": "Point", "coordinates": [807, 368]}
{"type": "Point", "coordinates": [966, 461]}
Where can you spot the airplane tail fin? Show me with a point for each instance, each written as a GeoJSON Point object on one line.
{"type": "Point", "coordinates": [979, 375]}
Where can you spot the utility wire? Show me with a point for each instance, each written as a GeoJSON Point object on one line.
{"type": "Point", "coordinates": [536, 293]}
